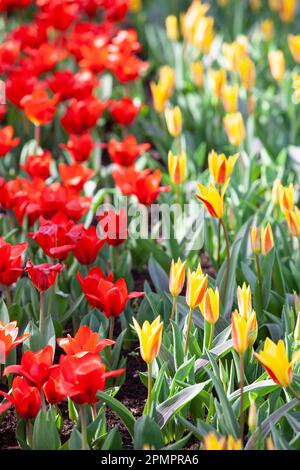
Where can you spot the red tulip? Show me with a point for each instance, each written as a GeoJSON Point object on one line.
{"type": "Point", "coordinates": [116, 10]}
{"type": "Point", "coordinates": [53, 388]}
{"type": "Point", "coordinates": [9, 338]}
{"type": "Point", "coordinates": [20, 83]}
{"type": "Point", "coordinates": [35, 366]}
{"type": "Point", "coordinates": [30, 35]}
{"type": "Point", "coordinates": [86, 242]}
{"type": "Point", "coordinates": [44, 58]}
{"type": "Point", "coordinates": [43, 276]}
{"type": "Point", "coordinates": [124, 111]}
{"type": "Point", "coordinates": [62, 83]}
{"type": "Point", "coordinates": [5, 199]}
{"type": "Point", "coordinates": [26, 399]}
{"type": "Point", "coordinates": [114, 226]}
{"type": "Point", "coordinates": [128, 68]}
{"type": "Point", "coordinates": [58, 198]}
{"type": "Point", "coordinates": [38, 107]}
{"type": "Point", "coordinates": [58, 14]}
{"type": "Point", "coordinates": [104, 294]}
{"type": "Point", "coordinates": [95, 55]}
{"type": "Point", "coordinates": [69, 85]}
{"type": "Point", "coordinates": [83, 376]}
{"type": "Point", "coordinates": [75, 176]}
{"type": "Point", "coordinates": [6, 140]}
{"type": "Point", "coordinates": [25, 198]}
{"type": "Point", "coordinates": [127, 151]}
{"type": "Point", "coordinates": [80, 147]}
{"type": "Point", "coordinates": [9, 52]}
{"type": "Point", "coordinates": [38, 166]}
{"type": "Point", "coordinates": [11, 261]}
{"type": "Point", "coordinates": [82, 115]}
{"type": "Point", "coordinates": [85, 340]}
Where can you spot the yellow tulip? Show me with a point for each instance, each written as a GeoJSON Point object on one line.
{"type": "Point", "coordinates": [296, 87]}
{"type": "Point", "coordinates": [239, 332]}
{"type": "Point", "coordinates": [196, 286]}
{"type": "Point", "coordinates": [287, 10]}
{"type": "Point", "coordinates": [255, 240]}
{"type": "Point", "coordinates": [174, 121]}
{"type": "Point", "coordinates": [229, 95]}
{"type": "Point", "coordinates": [277, 64]}
{"type": "Point", "coordinates": [209, 306]}
{"type": "Point", "coordinates": [255, 5]}
{"type": "Point", "coordinates": [246, 69]}
{"type": "Point", "coordinates": [274, 5]}
{"type": "Point", "coordinates": [297, 329]}
{"type": "Point", "coordinates": [176, 277]}
{"type": "Point", "coordinates": [212, 199]}
{"type": "Point", "coordinates": [212, 442]}
{"type": "Point", "coordinates": [267, 239]}
{"type": "Point", "coordinates": [150, 336]}
{"type": "Point", "coordinates": [244, 298]}
{"type": "Point", "coordinates": [276, 192]}
{"type": "Point", "coordinates": [233, 444]}
{"type": "Point", "coordinates": [197, 73]}
{"type": "Point", "coordinates": [233, 52]}
{"type": "Point", "coordinates": [274, 359]}
{"type": "Point", "coordinates": [267, 29]}
{"type": "Point", "coordinates": [195, 12]}
{"type": "Point", "coordinates": [177, 165]}
{"type": "Point", "coordinates": [292, 218]}
{"type": "Point", "coordinates": [235, 128]}
{"type": "Point", "coordinates": [203, 34]}
{"type": "Point", "coordinates": [294, 45]}
{"type": "Point", "coordinates": [160, 96]}
{"type": "Point", "coordinates": [167, 78]}
{"type": "Point", "coordinates": [218, 80]}
{"type": "Point", "coordinates": [286, 197]}
{"type": "Point", "coordinates": [135, 5]}
{"type": "Point", "coordinates": [221, 167]}
{"type": "Point", "coordinates": [172, 27]}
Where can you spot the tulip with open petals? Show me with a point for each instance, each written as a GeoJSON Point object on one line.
{"type": "Point", "coordinates": [85, 340]}
{"type": "Point", "coordinates": [212, 199]}
{"type": "Point", "coordinates": [150, 336]}
{"type": "Point", "coordinates": [221, 167]}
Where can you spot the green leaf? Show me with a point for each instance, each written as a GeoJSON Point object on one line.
{"type": "Point", "coordinates": [158, 275]}
{"type": "Point", "coordinates": [4, 315]}
{"type": "Point", "coordinates": [147, 433]}
{"type": "Point", "coordinates": [124, 414]}
{"type": "Point", "coordinates": [113, 440]}
{"type": "Point", "coordinates": [72, 309]}
{"type": "Point", "coordinates": [45, 434]}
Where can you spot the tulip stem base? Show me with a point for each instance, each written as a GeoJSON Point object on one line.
{"type": "Point", "coordinates": [242, 364]}
{"type": "Point", "coordinates": [296, 395]}
{"type": "Point", "coordinates": [259, 276]}
{"type": "Point", "coordinates": [172, 317]}
{"type": "Point", "coordinates": [8, 296]}
{"type": "Point", "coordinates": [190, 316]}
{"type": "Point", "coordinates": [28, 432]}
{"type": "Point", "coordinates": [227, 260]}
{"type": "Point", "coordinates": [42, 312]}
{"type": "Point", "coordinates": [111, 328]}
{"type": "Point", "coordinates": [83, 419]}
{"type": "Point", "coordinates": [149, 389]}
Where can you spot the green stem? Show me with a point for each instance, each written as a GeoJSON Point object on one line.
{"type": "Point", "coordinates": [293, 391]}
{"type": "Point", "coordinates": [52, 296]}
{"type": "Point", "coordinates": [94, 412]}
{"type": "Point", "coordinates": [208, 335]}
{"type": "Point", "coordinates": [83, 419]}
{"type": "Point", "coordinates": [227, 260]}
{"type": "Point", "coordinates": [188, 330]}
{"type": "Point", "coordinates": [29, 432]}
{"type": "Point", "coordinates": [42, 312]}
{"type": "Point", "coordinates": [111, 327]}
{"type": "Point", "coordinates": [242, 397]}
{"type": "Point", "coordinates": [219, 243]}
{"type": "Point", "coordinates": [8, 296]}
{"type": "Point", "coordinates": [37, 135]}
{"type": "Point", "coordinates": [149, 388]}
{"type": "Point", "coordinates": [259, 276]}
{"type": "Point", "coordinates": [173, 311]}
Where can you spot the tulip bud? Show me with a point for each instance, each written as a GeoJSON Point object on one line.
{"type": "Point", "coordinates": [212, 199]}
{"type": "Point", "coordinates": [196, 286]}
{"type": "Point", "coordinates": [286, 197]}
{"type": "Point", "coordinates": [209, 306]}
{"type": "Point", "coordinates": [197, 73]}
{"type": "Point", "coordinates": [220, 167]}
{"type": "Point", "coordinates": [297, 329]}
{"type": "Point", "coordinates": [176, 277]}
{"type": "Point", "coordinates": [267, 239]}
{"type": "Point", "coordinates": [177, 165]}
{"type": "Point", "coordinates": [275, 360]}
{"type": "Point", "coordinates": [270, 443]}
{"type": "Point", "coordinates": [255, 5]}
{"type": "Point", "coordinates": [267, 28]}
{"type": "Point", "coordinates": [218, 80]}
{"type": "Point", "coordinates": [287, 10]}
{"type": "Point", "coordinates": [172, 27]}
{"type": "Point", "coordinates": [174, 121]}
{"type": "Point", "coordinates": [246, 68]}
{"type": "Point", "coordinates": [239, 332]}
{"type": "Point", "coordinates": [277, 64]}
{"type": "Point", "coordinates": [294, 45]}
{"type": "Point", "coordinates": [135, 5]}
{"type": "Point", "coordinates": [292, 218]}
{"type": "Point", "coordinates": [276, 192]}
{"type": "Point", "coordinates": [150, 336]}
{"type": "Point", "coordinates": [229, 97]}
{"type": "Point", "coordinates": [235, 128]}
{"type": "Point", "coordinates": [255, 240]}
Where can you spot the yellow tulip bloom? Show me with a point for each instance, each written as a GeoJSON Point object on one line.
{"type": "Point", "coordinates": [221, 167]}
{"type": "Point", "coordinates": [292, 218]}
{"type": "Point", "coordinates": [150, 336]}
{"type": "Point", "coordinates": [233, 444]}
{"type": "Point", "coordinates": [246, 68]}
{"type": "Point", "coordinates": [172, 27]}
{"type": "Point", "coordinates": [229, 95]}
{"type": "Point", "coordinates": [239, 332]}
{"type": "Point", "coordinates": [218, 80]}
{"type": "Point", "coordinates": [267, 29]}
{"type": "Point", "coordinates": [177, 165]}
{"type": "Point", "coordinates": [255, 240]}
{"type": "Point", "coordinates": [197, 73]}
{"type": "Point", "coordinates": [210, 306]}
{"type": "Point", "coordinates": [174, 121]}
{"type": "Point", "coordinates": [244, 298]}
{"type": "Point", "coordinates": [176, 277]}
{"type": "Point", "coordinates": [160, 96]}
{"type": "Point", "coordinates": [277, 64]}
{"type": "Point", "coordinates": [294, 45]}
{"type": "Point", "coordinates": [212, 442]}
{"type": "Point", "coordinates": [286, 197]}
{"type": "Point", "coordinates": [267, 239]}
{"type": "Point", "coordinates": [195, 12]}
{"type": "Point", "coordinates": [274, 359]}
{"type": "Point", "coordinates": [287, 10]}
{"type": "Point", "coordinates": [274, 5]}
{"type": "Point", "coordinates": [234, 52]}
{"type": "Point", "coordinates": [212, 199]}
{"type": "Point", "coordinates": [235, 128]}
{"type": "Point", "coordinates": [296, 87]}
{"type": "Point", "coordinates": [203, 34]}
{"type": "Point", "coordinates": [196, 286]}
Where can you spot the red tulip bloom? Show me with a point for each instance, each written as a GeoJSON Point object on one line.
{"type": "Point", "coordinates": [30, 35]}
{"type": "Point", "coordinates": [20, 83]}
{"type": "Point", "coordinates": [124, 111]}
{"type": "Point", "coordinates": [43, 276]}
{"type": "Point", "coordinates": [127, 151]}
{"type": "Point", "coordinates": [38, 166]}
{"type": "Point", "coordinates": [80, 147]}
{"type": "Point", "coordinates": [7, 142]}
{"type": "Point", "coordinates": [127, 68]}
{"type": "Point", "coordinates": [69, 85]}
{"type": "Point", "coordinates": [82, 115]}
{"type": "Point", "coordinates": [59, 198]}
{"type": "Point", "coordinates": [104, 294]}
{"type": "Point", "coordinates": [9, 338]}
{"type": "Point", "coordinates": [85, 340]}
{"type": "Point", "coordinates": [9, 52]}
{"type": "Point", "coordinates": [125, 178]}
{"type": "Point", "coordinates": [75, 176]}
{"type": "Point", "coordinates": [38, 107]}
{"type": "Point", "coordinates": [62, 83]}
{"type": "Point", "coordinates": [95, 55]}
{"type": "Point", "coordinates": [5, 200]}
{"type": "Point", "coordinates": [116, 10]}
{"type": "Point", "coordinates": [11, 261]}
{"type": "Point", "coordinates": [26, 399]}
{"type": "Point", "coordinates": [83, 376]}
{"type": "Point", "coordinates": [87, 243]}
{"type": "Point", "coordinates": [25, 198]}
{"type": "Point", "coordinates": [45, 57]}
{"type": "Point", "coordinates": [53, 388]}
{"type": "Point", "coordinates": [58, 14]}
{"type": "Point", "coordinates": [35, 366]}
{"type": "Point", "coordinates": [114, 226]}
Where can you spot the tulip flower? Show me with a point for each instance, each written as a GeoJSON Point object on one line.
{"type": "Point", "coordinates": [229, 95]}
{"type": "Point", "coordinates": [286, 197]}
{"type": "Point", "coordinates": [162, 91]}
{"type": "Point", "coordinates": [80, 147]}
{"type": "Point", "coordinates": [221, 167]}
{"type": "Point", "coordinates": [255, 240]}
{"type": "Point", "coordinates": [212, 199]}
{"type": "Point", "coordinates": [85, 340]}
{"type": "Point", "coordinates": [125, 111]}
{"type": "Point", "coordinates": [218, 80]}
{"type": "Point", "coordinates": [38, 166]}
{"type": "Point", "coordinates": [35, 366]}
{"type": "Point", "coordinates": [172, 27]}
{"type": "Point", "coordinates": [294, 45]}
{"type": "Point", "coordinates": [247, 72]}
{"type": "Point", "coordinates": [7, 142]}
{"type": "Point", "coordinates": [244, 298]}
{"type": "Point", "coordinates": [176, 282]}
{"type": "Point", "coordinates": [150, 337]}
{"type": "Point", "coordinates": [196, 69]}
{"type": "Point", "coordinates": [38, 107]}
{"type": "Point", "coordinates": [75, 176]}
{"type": "Point", "coordinates": [53, 388]}
{"type": "Point", "coordinates": [24, 397]}
{"type": "Point", "coordinates": [287, 10]}
{"type": "Point", "coordinates": [267, 28]}
{"type": "Point", "coordinates": [10, 264]}
{"type": "Point", "coordinates": [82, 115]}
{"type": "Point", "coordinates": [277, 64]}
{"type": "Point", "coordinates": [44, 275]}
{"type": "Point", "coordinates": [203, 34]}
{"type": "Point", "coordinates": [292, 218]}
{"type": "Point", "coordinates": [125, 153]}
{"type": "Point", "coordinates": [173, 118]}
{"type": "Point", "coordinates": [252, 416]}
{"type": "Point", "coordinates": [235, 128]}
{"type": "Point", "coordinates": [9, 338]}
{"type": "Point", "coordinates": [234, 52]}
{"type": "Point", "coordinates": [87, 243]}
{"type": "Point", "coordinates": [209, 308]}
{"type": "Point", "coordinates": [212, 442]}
{"type": "Point", "coordinates": [114, 226]}
{"type": "Point", "coordinates": [267, 239]}
{"type": "Point", "coordinates": [177, 166]}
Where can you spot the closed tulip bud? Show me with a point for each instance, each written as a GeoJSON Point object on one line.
{"type": "Point", "coordinates": [252, 417]}
{"type": "Point", "coordinates": [277, 64]}
{"type": "Point", "coordinates": [239, 333]}
{"type": "Point", "coordinates": [234, 52]}
{"type": "Point", "coordinates": [174, 121]}
{"type": "Point", "coordinates": [252, 328]}
{"type": "Point", "coordinates": [172, 27]}
{"type": "Point", "coordinates": [244, 298]}
{"type": "Point", "coordinates": [217, 79]}
{"type": "Point", "coordinates": [274, 5]}
{"type": "Point", "coordinates": [203, 34]}
{"type": "Point", "coordinates": [177, 165]}
{"type": "Point", "coordinates": [292, 218]}
{"type": "Point", "coordinates": [209, 306]}
{"type": "Point", "coordinates": [160, 96]}
{"type": "Point", "coordinates": [297, 329]}
{"type": "Point", "coordinates": [235, 128]}
{"type": "Point", "coordinates": [212, 442]}
{"type": "Point", "coordinates": [196, 286]}
{"type": "Point", "coordinates": [150, 336]}
{"type": "Point", "coordinates": [267, 29]}
{"type": "Point", "coordinates": [286, 197]}
{"type": "Point", "coordinates": [270, 443]}
{"type": "Point", "coordinates": [176, 277]}
{"type": "Point", "coordinates": [255, 5]}
{"type": "Point", "coordinates": [294, 45]}
{"type": "Point", "coordinates": [267, 239]}
{"type": "Point", "coordinates": [287, 10]}
{"type": "Point", "coordinates": [212, 199]}
{"type": "Point", "coordinates": [221, 167]}
{"type": "Point", "coordinates": [229, 97]}
{"type": "Point", "coordinates": [167, 78]}
{"type": "Point", "coordinates": [135, 5]}
{"type": "Point", "coordinates": [296, 302]}
{"type": "Point", "coordinates": [255, 240]}
{"type": "Point", "coordinates": [276, 192]}
{"type": "Point", "coordinates": [246, 68]}
{"type": "Point", "coordinates": [197, 73]}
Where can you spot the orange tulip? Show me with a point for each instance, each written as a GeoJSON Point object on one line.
{"type": "Point", "coordinates": [267, 239]}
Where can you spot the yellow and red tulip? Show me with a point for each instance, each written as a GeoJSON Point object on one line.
{"type": "Point", "coordinates": [174, 121]}
{"type": "Point", "coordinates": [267, 239]}
{"type": "Point", "coordinates": [292, 218]}
{"type": "Point", "coordinates": [287, 10]}
{"type": "Point", "coordinates": [255, 240]}
{"type": "Point", "coordinates": [221, 167]}
{"type": "Point", "coordinates": [275, 360]}
{"type": "Point", "coordinates": [229, 95]}
{"type": "Point", "coordinates": [294, 45]}
{"type": "Point", "coordinates": [210, 306]}
{"type": "Point", "coordinates": [177, 166]}
{"type": "Point", "coordinates": [235, 128]}
{"type": "Point", "coordinates": [176, 277]}
{"type": "Point", "coordinates": [246, 69]}
{"type": "Point", "coordinates": [212, 199]}
{"type": "Point", "coordinates": [196, 286]}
